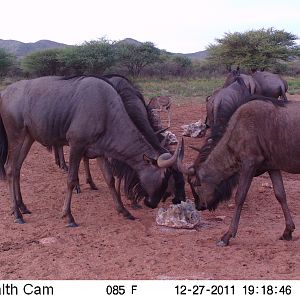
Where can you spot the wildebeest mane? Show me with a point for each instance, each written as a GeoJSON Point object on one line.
{"type": "Point", "coordinates": [80, 77]}
{"type": "Point", "coordinates": [130, 94]}
{"type": "Point", "coordinates": [130, 87]}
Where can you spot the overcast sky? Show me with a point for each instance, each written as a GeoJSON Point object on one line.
{"type": "Point", "coordinates": [177, 26]}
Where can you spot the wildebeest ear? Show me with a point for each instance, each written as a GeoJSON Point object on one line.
{"type": "Point", "coordinates": [149, 160]}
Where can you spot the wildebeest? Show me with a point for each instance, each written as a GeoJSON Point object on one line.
{"type": "Point", "coordinates": [272, 85]}
{"type": "Point", "coordinates": [139, 113]}
{"type": "Point", "coordinates": [226, 99]}
{"type": "Point", "coordinates": [77, 112]}
{"type": "Point", "coordinates": [261, 137]}
{"type": "Point", "coordinates": [261, 83]}
{"type": "Point", "coordinates": [252, 85]}
{"type": "Point", "coordinates": [220, 106]}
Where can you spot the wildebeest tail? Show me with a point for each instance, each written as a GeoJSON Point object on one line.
{"type": "Point", "coordinates": [3, 149]}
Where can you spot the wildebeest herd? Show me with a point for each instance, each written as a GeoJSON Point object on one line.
{"type": "Point", "coordinates": [251, 132]}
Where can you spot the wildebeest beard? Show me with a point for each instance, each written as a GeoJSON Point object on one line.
{"type": "Point", "coordinates": [223, 191]}
{"type": "Point", "coordinates": [133, 188]}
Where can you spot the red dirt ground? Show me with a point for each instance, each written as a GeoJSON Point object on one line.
{"type": "Point", "coordinates": [106, 246]}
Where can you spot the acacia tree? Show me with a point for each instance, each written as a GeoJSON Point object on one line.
{"type": "Point", "coordinates": [6, 62]}
{"type": "Point", "coordinates": [41, 63]}
{"type": "Point", "coordinates": [254, 49]}
{"type": "Point", "coordinates": [90, 58]}
{"type": "Point", "coordinates": [136, 57]}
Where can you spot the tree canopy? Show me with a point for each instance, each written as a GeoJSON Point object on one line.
{"type": "Point", "coordinates": [254, 49]}
{"type": "Point", "coordinates": [136, 57]}
{"type": "Point", "coordinates": [6, 62]}
{"type": "Point", "coordinates": [41, 63]}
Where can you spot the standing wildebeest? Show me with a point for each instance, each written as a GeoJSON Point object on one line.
{"type": "Point", "coordinates": [78, 112]}
{"type": "Point", "coordinates": [262, 83]}
{"type": "Point", "coordinates": [220, 106]}
{"type": "Point", "coordinates": [249, 147]}
{"type": "Point", "coordinates": [226, 99]}
{"type": "Point", "coordinates": [138, 112]}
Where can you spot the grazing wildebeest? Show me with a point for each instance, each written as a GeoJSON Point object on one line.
{"type": "Point", "coordinates": [249, 147]}
{"type": "Point", "coordinates": [262, 83]}
{"type": "Point", "coordinates": [77, 112]}
{"type": "Point", "coordinates": [138, 112]}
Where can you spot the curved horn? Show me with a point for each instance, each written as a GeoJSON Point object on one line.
{"type": "Point", "coordinates": [167, 160]}
{"type": "Point", "coordinates": [188, 170]}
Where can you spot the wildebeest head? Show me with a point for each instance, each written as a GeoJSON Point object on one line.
{"type": "Point", "coordinates": [155, 177]}
{"type": "Point", "coordinates": [208, 188]}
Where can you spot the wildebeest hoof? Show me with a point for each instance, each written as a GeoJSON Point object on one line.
{"type": "Point", "coordinates": [128, 215]}
{"type": "Point", "coordinates": [286, 237]}
{"type": "Point", "coordinates": [72, 224]}
{"type": "Point", "coordinates": [25, 211]}
{"type": "Point", "coordinates": [19, 221]}
{"type": "Point", "coordinates": [136, 206]}
{"type": "Point", "coordinates": [222, 243]}
{"type": "Point", "coordinates": [77, 189]}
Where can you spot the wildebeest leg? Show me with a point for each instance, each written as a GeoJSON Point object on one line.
{"type": "Point", "coordinates": [245, 179]}
{"type": "Point", "coordinates": [109, 178]}
{"type": "Point", "coordinates": [28, 141]}
{"type": "Point", "coordinates": [88, 175]}
{"type": "Point", "coordinates": [17, 151]}
{"type": "Point", "coordinates": [281, 197]}
{"type": "Point", "coordinates": [76, 154]}
{"type": "Point", "coordinates": [60, 157]}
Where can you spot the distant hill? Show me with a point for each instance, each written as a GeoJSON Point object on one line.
{"type": "Point", "coordinates": [21, 49]}
{"type": "Point", "coordinates": [129, 41]}
{"type": "Point", "coordinates": [194, 56]}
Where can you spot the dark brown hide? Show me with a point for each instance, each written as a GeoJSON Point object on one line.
{"type": "Point", "coordinates": [260, 137]}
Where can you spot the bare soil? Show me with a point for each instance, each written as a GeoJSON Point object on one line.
{"type": "Point", "coordinates": [106, 246]}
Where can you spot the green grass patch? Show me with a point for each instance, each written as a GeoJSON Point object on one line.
{"type": "Point", "coordinates": [182, 90]}
{"type": "Point", "coordinates": [294, 85]}
{"type": "Point", "coordinates": [178, 88]}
